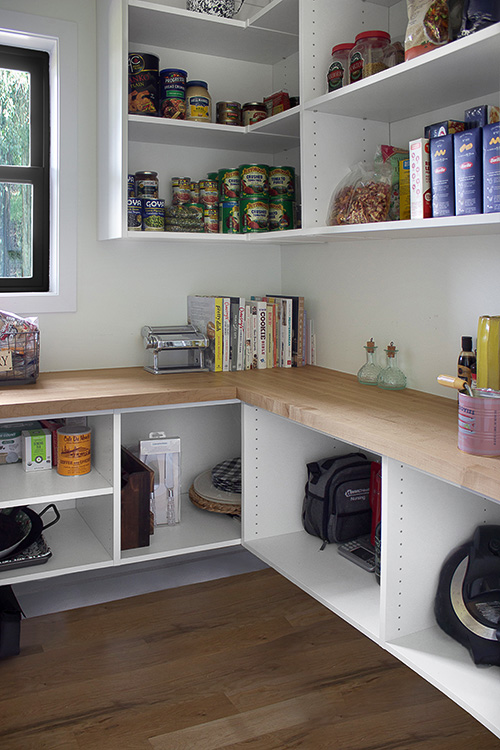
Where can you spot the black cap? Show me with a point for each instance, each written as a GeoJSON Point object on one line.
{"type": "Point", "coordinates": [467, 343]}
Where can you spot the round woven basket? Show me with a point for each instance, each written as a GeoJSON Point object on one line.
{"type": "Point", "coordinates": [232, 509]}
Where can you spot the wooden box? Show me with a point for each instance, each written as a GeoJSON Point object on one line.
{"type": "Point", "coordinates": [137, 486]}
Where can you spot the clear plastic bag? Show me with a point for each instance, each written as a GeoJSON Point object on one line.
{"type": "Point", "coordinates": [362, 197]}
{"type": "Point", "coordinates": [428, 26]}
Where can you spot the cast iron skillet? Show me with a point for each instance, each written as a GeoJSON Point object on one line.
{"type": "Point", "coordinates": [32, 525]}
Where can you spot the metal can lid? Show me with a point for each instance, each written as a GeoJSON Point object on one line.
{"type": "Point", "coordinates": [146, 174]}
{"type": "Point", "coordinates": [260, 105]}
{"type": "Point", "coordinates": [174, 70]}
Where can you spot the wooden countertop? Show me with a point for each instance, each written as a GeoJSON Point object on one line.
{"type": "Point", "coordinates": [412, 427]}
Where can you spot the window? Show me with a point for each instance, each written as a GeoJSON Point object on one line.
{"type": "Point", "coordinates": [24, 170]}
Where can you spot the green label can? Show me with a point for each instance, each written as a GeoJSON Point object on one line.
{"type": "Point", "coordinates": [254, 179]}
{"type": "Point", "coordinates": [229, 184]}
{"type": "Point", "coordinates": [229, 217]}
{"type": "Point", "coordinates": [282, 182]}
{"type": "Point", "coordinates": [254, 214]}
{"type": "Point", "coordinates": [153, 214]}
{"type": "Point", "coordinates": [281, 214]}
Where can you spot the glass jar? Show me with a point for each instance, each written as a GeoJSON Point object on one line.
{"type": "Point", "coordinates": [392, 378]}
{"type": "Point", "coordinates": [198, 102]}
{"type": "Point", "coordinates": [253, 112]}
{"type": "Point", "coordinates": [367, 55]}
{"type": "Point", "coordinates": [338, 72]}
{"type": "Point", "coordinates": [368, 374]}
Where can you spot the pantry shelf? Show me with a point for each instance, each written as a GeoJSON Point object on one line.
{"type": "Point", "coordinates": [153, 24]}
{"type": "Point", "coordinates": [387, 96]}
{"type": "Point", "coordinates": [277, 134]}
{"type": "Point", "coordinates": [20, 487]}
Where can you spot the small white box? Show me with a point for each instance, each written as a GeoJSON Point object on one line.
{"type": "Point", "coordinates": [420, 179]}
{"type": "Point", "coordinates": [36, 449]}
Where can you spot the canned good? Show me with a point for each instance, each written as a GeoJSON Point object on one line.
{"type": "Point", "coordinates": [209, 192]}
{"type": "Point", "coordinates": [153, 214]}
{"type": "Point", "coordinates": [254, 179]}
{"type": "Point", "coordinates": [134, 214]}
{"type": "Point", "coordinates": [196, 211]}
{"type": "Point", "coordinates": [254, 214]}
{"type": "Point", "coordinates": [211, 219]}
{"type": "Point", "coordinates": [229, 113]}
{"type": "Point", "coordinates": [131, 186]}
{"type": "Point", "coordinates": [194, 190]}
{"type": "Point", "coordinates": [253, 112]}
{"type": "Point", "coordinates": [173, 93]}
{"type": "Point", "coordinates": [229, 184]}
{"type": "Point", "coordinates": [73, 451]}
{"type": "Point", "coordinates": [229, 217]}
{"type": "Point", "coordinates": [143, 84]}
{"type": "Point", "coordinates": [181, 190]}
{"type": "Point", "coordinates": [282, 182]}
{"type": "Point", "coordinates": [146, 184]}
{"type": "Point", "coordinates": [212, 176]}
{"type": "Point", "coordinates": [281, 214]}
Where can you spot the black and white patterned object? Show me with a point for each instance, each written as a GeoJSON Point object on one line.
{"type": "Point", "coordinates": [226, 476]}
{"type": "Point", "coordinates": [225, 8]}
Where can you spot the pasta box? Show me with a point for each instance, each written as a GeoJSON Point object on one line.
{"type": "Point", "coordinates": [442, 176]}
{"type": "Point", "coordinates": [491, 168]}
{"type": "Point", "coordinates": [468, 172]}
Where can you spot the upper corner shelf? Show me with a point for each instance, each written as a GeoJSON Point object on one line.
{"type": "Point", "coordinates": [466, 69]}
{"type": "Point", "coordinates": [269, 36]}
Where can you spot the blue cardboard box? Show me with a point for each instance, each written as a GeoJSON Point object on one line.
{"type": "Point", "coordinates": [468, 172]}
{"type": "Point", "coordinates": [442, 176]}
{"type": "Point", "coordinates": [491, 168]}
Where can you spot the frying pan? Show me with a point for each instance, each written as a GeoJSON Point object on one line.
{"type": "Point", "coordinates": [32, 525]}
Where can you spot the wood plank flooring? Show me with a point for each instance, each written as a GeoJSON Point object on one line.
{"type": "Point", "coordinates": [249, 663]}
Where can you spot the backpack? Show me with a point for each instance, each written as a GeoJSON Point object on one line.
{"type": "Point", "coordinates": [336, 504]}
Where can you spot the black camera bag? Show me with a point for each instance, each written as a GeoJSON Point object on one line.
{"type": "Point", "coordinates": [336, 505]}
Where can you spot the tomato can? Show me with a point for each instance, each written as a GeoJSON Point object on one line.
{"type": "Point", "coordinates": [73, 451]}
{"type": "Point", "coordinates": [229, 184]}
{"type": "Point", "coordinates": [134, 214]}
{"type": "Point", "coordinates": [281, 214]}
{"type": "Point", "coordinates": [254, 214]}
{"type": "Point", "coordinates": [195, 192]}
{"type": "Point", "coordinates": [253, 112]}
{"type": "Point", "coordinates": [254, 179]}
{"type": "Point", "coordinates": [153, 214]}
{"type": "Point", "coordinates": [173, 93]}
{"type": "Point", "coordinates": [229, 217]}
{"type": "Point", "coordinates": [211, 219]}
{"type": "Point", "coordinates": [209, 192]}
{"type": "Point", "coordinates": [143, 84]}
{"type": "Point", "coordinates": [181, 190]}
{"type": "Point", "coordinates": [282, 182]}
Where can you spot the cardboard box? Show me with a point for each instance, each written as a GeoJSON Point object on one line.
{"type": "Point", "coordinates": [483, 114]}
{"type": "Point", "coordinates": [36, 449]}
{"type": "Point", "coordinates": [468, 172]}
{"type": "Point", "coordinates": [10, 441]}
{"type": "Point", "coordinates": [442, 176]}
{"type": "Point", "coordinates": [447, 127]}
{"type": "Point", "coordinates": [404, 189]}
{"type": "Point", "coordinates": [420, 179]}
{"type": "Point", "coordinates": [491, 168]}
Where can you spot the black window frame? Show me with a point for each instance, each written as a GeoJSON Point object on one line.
{"type": "Point", "coordinates": [36, 62]}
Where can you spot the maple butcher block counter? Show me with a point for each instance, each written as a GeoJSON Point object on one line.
{"type": "Point", "coordinates": [413, 427]}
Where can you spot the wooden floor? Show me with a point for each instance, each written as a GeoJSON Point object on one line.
{"type": "Point", "coordinates": [247, 662]}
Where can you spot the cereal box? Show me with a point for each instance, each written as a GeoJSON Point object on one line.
{"type": "Point", "coordinates": [447, 127]}
{"type": "Point", "coordinates": [420, 179]}
{"type": "Point", "coordinates": [491, 168]}
{"type": "Point", "coordinates": [468, 172]}
{"type": "Point", "coordinates": [442, 177]}
{"type": "Point", "coordinates": [483, 114]}
{"type": "Point", "coordinates": [404, 189]}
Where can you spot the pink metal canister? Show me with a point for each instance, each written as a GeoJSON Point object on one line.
{"type": "Point", "coordinates": [479, 423]}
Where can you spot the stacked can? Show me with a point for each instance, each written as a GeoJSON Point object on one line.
{"type": "Point", "coordinates": [254, 198]}
{"type": "Point", "coordinates": [281, 198]}
{"type": "Point", "coordinates": [229, 200]}
{"type": "Point", "coordinates": [186, 212]}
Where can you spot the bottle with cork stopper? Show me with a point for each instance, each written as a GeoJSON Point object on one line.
{"type": "Point", "coordinates": [368, 374]}
{"type": "Point", "coordinates": [392, 378]}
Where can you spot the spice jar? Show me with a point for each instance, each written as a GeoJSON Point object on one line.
{"type": "Point", "coordinates": [338, 72]}
{"type": "Point", "coordinates": [367, 55]}
{"type": "Point", "coordinates": [198, 102]}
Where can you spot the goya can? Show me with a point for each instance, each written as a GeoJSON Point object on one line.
{"type": "Point", "coordinates": [211, 219]}
{"type": "Point", "coordinates": [131, 186]}
{"type": "Point", "coordinates": [143, 84]}
{"type": "Point", "coordinates": [153, 214]}
{"type": "Point", "coordinates": [209, 192]}
{"type": "Point", "coordinates": [173, 93]}
{"type": "Point", "coordinates": [281, 214]}
{"type": "Point", "coordinates": [229, 217]}
{"type": "Point", "coordinates": [134, 214]}
{"type": "Point", "coordinates": [254, 214]}
{"type": "Point", "coordinates": [73, 451]}
{"type": "Point", "coordinates": [282, 182]}
{"type": "Point", "coordinates": [254, 179]}
{"type": "Point", "coordinates": [146, 184]}
{"type": "Point", "coordinates": [181, 190]}
{"type": "Point", "coordinates": [229, 184]}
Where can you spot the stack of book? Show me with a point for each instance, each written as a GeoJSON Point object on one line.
{"type": "Point", "coordinates": [255, 333]}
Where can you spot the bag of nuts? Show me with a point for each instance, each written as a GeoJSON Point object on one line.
{"type": "Point", "coordinates": [362, 197]}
